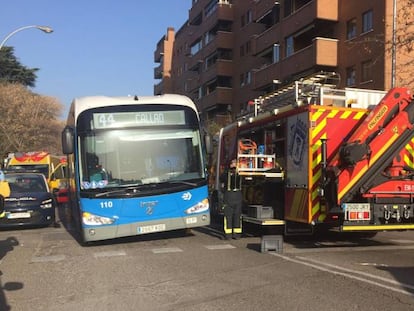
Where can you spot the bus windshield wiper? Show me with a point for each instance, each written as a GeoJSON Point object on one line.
{"type": "Point", "coordinates": [182, 182]}
{"type": "Point", "coordinates": [125, 190]}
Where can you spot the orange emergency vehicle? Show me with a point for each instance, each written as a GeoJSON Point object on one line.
{"type": "Point", "coordinates": [329, 158]}
{"type": "Point", "coordinates": [52, 166]}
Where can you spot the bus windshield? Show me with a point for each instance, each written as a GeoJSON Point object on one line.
{"type": "Point", "coordinates": [138, 156]}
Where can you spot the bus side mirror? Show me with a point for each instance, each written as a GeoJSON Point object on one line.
{"type": "Point", "coordinates": [68, 140]}
{"type": "Point", "coordinates": [208, 144]}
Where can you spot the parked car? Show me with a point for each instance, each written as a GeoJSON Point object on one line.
{"type": "Point", "coordinates": [30, 201]}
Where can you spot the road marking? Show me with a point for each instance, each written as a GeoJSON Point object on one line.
{"type": "Point", "coordinates": [402, 241]}
{"type": "Point", "coordinates": [54, 258]}
{"type": "Point", "coordinates": [167, 250]}
{"type": "Point", "coordinates": [373, 264]}
{"type": "Point", "coordinates": [109, 254]}
{"type": "Point", "coordinates": [336, 270]}
{"type": "Point", "coordinates": [346, 249]}
{"type": "Point", "coordinates": [219, 246]}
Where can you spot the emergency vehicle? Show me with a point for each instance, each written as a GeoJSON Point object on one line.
{"type": "Point", "coordinates": [313, 156]}
{"type": "Point", "coordinates": [52, 166]}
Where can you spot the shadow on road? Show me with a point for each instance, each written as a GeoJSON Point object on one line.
{"type": "Point", "coordinates": [6, 246]}
{"type": "Point", "coordinates": [404, 276]}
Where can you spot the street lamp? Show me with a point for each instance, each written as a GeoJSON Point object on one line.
{"type": "Point", "coordinates": [45, 29]}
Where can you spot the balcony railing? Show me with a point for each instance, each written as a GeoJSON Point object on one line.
{"type": "Point", "coordinates": [158, 72]}
{"type": "Point", "coordinates": [220, 96]}
{"type": "Point", "coordinates": [306, 15]}
{"type": "Point", "coordinates": [322, 52]}
{"type": "Point", "coordinates": [158, 88]}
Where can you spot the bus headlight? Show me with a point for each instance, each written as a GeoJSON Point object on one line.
{"type": "Point", "coordinates": [95, 220]}
{"type": "Point", "coordinates": [46, 204]}
{"type": "Point", "coordinates": [202, 206]}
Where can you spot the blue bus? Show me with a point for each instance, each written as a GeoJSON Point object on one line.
{"type": "Point", "coordinates": [136, 165]}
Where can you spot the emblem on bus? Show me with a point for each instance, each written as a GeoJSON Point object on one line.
{"type": "Point", "coordinates": [186, 196]}
{"type": "Point", "coordinates": [149, 206]}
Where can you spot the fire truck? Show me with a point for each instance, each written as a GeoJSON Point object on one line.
{"type": "Point", "coordinates": [313, 156]}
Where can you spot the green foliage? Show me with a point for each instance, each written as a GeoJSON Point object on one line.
{"type": "Point", "coordinates": [12, 71]}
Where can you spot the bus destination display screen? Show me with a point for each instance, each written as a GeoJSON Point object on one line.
{"type": "Point", "coordinates": [142, 118]}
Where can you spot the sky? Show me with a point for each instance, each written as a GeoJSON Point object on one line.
{"type": "Point", "coordinates": [98, 47]}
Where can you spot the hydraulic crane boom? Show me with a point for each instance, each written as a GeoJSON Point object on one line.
{"type": "Point", "coordinates": [372, 147]}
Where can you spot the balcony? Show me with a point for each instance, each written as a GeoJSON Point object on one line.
{"type": "Point", "coordinates": [263, 7]}
{"type": "Point", "coordinates": [159, 52]}
{"type": "Point", "coordinates": [220, 96]}
{"type": "Point", "coordinates": [158, 72]}
{"type": "Point", "coordinates": [222, 67]}
{"type": "Point", "coordinates": [223, 12]}
{"type": "Point", "coordinates": [322, 52]}
{"type": "Point", "coordinates": [223, 40]}
{"type": "Point", "coordinates": [326, 10]}
{"type": "Point", "coordinates": [158, 88]}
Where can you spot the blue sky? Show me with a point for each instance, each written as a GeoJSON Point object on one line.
{"type": "Point", "coordinates": [98, 47]}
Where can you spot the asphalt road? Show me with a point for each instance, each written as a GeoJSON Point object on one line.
{"type": "Point", "coordinates": [47, 269]}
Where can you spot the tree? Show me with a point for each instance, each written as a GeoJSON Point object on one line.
{"type": "Point", "coordinates": [404, 42]}
{"type": "Point", "coordinates": [11, 70]}
{"type": "Point", "coordinates": [28, 122]}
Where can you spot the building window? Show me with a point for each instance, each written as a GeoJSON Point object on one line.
{"type": "Point", "coordinates": [351, 29]}
{"type": "Point", "coordinates": [246, 19]}
{"type": "Point", "coordinates": [367, 21]}
{"type": "Point", "coordinates": [241, 50]}
{"type": "Point", "coordinates": [245, 78]}
{"type": "Point", "coordinates": [350, 76]}
{"type": "Point", "coordinates": [366, 69]}
{"type": "Point", "coordinates": [289, 46]}
{"type": "Point", "coordinates": [210, 8]}
{"type": "Point", "coordinates": [249, 17]}
{"type": "Point", "coordinates": [242, 21]}
{"type": "Point", "coordinates": [276, 53]}
{"type": "Point", "coordinates": [196, 47]}
{"type": "Point", "coordinates": [248, 47]}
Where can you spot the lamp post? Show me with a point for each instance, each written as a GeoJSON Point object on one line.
{"type": "Point", "coordinates": [45, 29]}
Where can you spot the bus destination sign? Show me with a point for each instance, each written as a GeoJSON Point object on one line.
{"type": "Point", "coordinates": [142, 118]}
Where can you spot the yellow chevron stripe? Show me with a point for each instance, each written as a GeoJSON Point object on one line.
{"type": "Point", "coordinates": [319, 128]}
{"type": "Point", "coordinates": [408, 160]}
{"type": "Point", "coordinates": [359, 115]}
{"type": "Point", "coordinates": [345, 114]}
{"type": "Point", "coordinates": [315, 209]}
{"type": "Point", "coordinates": [317, 114]}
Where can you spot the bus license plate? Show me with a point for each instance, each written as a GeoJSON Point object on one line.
{"type": "Point", "coordinates": [151, 228]}
{"type": "Point", "coordinates": [18, 215]}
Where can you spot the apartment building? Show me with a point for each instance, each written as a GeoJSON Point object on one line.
{"type": "Point", "coordinates": [229, 52]}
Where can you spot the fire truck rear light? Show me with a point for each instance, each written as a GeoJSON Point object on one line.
{"type": "Point", "coordinates": [365, 215]}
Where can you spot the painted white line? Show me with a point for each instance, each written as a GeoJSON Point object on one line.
{"type": "Point", "coordinates": [167, 250]}
{"type": "Point", "coordinates": [109, 254]}
{"type": "Point", "coordinates": [333, 249]}
{"type": "Point", "coordinates": [219, 246]}
{"type": "Point", "coordinates": [403, 241]}
{"type": "Point", "coordinates": [336, 270]}
{"type": "Point", "coordinates": [54, 258]}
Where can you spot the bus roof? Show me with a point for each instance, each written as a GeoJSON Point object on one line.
{"type": "Point", "coordinates": [85, 103]}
